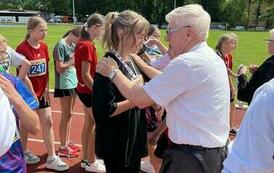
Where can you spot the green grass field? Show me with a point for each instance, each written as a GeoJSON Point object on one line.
{"type": "Point", "coordinates": [252, 48]}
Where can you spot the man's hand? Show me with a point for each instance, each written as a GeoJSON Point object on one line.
{"type": "Point", "coordinates": [253, 68]}
{"type": "Point", "coordinates": [159, 111]}
{"type": "Point", "coordinates": [105, 66]}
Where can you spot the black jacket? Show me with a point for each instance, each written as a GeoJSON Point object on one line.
{"type": "Point", "coordinates": [246, 88]}
{"type": "Point", "coordinates": [122, 136]}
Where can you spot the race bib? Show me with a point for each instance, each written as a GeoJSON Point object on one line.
{"type": "Point", "coordinates": [38, 68]}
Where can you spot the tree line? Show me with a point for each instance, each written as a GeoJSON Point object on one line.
{"type": "Point", "coordinates": [233, 12]}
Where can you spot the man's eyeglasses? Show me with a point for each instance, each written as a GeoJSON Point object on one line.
{"type": "Point", "coordinates": [171, 30]}
{"type": "Point", "coordinates": [269, 41]}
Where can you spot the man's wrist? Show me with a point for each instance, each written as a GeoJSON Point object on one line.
{"type": "Point", "coordinates": [113, 73]}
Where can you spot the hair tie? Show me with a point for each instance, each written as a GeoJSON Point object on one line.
{"type": "Point", "coordinates": [85, 26]}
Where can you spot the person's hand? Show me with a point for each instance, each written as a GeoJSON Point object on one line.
{"type": "Point", "coordinates": [242, 70]}
{"type": "Point", "coordinates": [253, 68]}
{"type": "Point", "coordinates": [9, 90]}
{"type": "Point", "coordinates": [105, 66]}
{"type": "Point", "coordinates": [158, 111]}
{"type": "Point", "coordinates": [45, 95]}
{"type": "Point", "coordinates": [152, 41]}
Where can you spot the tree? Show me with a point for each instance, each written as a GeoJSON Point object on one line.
{"type": "Point", "coordinates": [258, 12]}
{"type": "Point", "coordinates": [268, 16]}
{"type": "Point", "coordinates": [214, 8]}
{"type": "Point", "coordinates": [234, 12]}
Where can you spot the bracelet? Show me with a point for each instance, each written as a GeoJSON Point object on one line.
{"type": "Point", "coordinates": [113, 73]}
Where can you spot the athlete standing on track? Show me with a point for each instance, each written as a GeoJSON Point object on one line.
{"type": "Point", "coordinates": [36, 51]}
{"type": "Point", "coordinates": [85, 62]}
{"type": "Point", "coordinates": [65, 85]}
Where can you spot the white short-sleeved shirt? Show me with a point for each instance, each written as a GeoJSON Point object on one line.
{"type": "Point", "coordinates": [13, 58]}
{"type": "Point", "coordinates": [7, 124]}
{"type": "Point", "coordinates": [194, 89]}
{"type": "Point", "coordinates": [253, 149]}
{"type": "Point", "coordinates": [161, 62]}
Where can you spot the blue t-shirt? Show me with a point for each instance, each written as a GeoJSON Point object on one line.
{"type": "Point", "coordinates": [13, 159]}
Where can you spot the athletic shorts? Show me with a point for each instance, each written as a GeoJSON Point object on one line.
{"type": "Point", "coordinates": [64, 92]}
{"type": "Point", "coordinates": [85, 99]}
{"type": "Point", "coordinates": [43, 103]}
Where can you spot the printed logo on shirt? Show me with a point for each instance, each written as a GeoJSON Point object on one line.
{"type": "Point", "coordinates": [38, 68]}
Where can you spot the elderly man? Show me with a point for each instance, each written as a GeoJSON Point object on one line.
{"type": "Point", "coordinates": [260, 75]}
{"type": "Point", "coordinates": [193, 88]}
{"type": "Point", "coordinates": [253, 149]}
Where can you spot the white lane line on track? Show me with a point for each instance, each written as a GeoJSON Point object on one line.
{"type": "Point", "coordinates": [74, 113]}
{"type": "Point", "coordinates": [42, 141]}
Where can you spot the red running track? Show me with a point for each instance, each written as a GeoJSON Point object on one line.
{"type": "Point", "coordinates": [36, 145]}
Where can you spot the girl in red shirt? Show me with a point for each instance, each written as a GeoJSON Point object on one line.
{"type": "Point", "coordinates": [36, 51]}
{"type": "Point", "coordinates": [85, 64]}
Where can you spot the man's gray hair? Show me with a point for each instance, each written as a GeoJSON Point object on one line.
{"type": "Point", "coordinates": [191, 15]}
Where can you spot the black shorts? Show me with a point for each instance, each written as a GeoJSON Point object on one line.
{"type": "Point", "coordinates": [64, 92]}
{"type": "Point", "coordinates": [85, 99]}
{"type": "Point", "coordinates": [43, 103]}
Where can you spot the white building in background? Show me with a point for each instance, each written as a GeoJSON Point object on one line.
{"type": "Point", "coordinates": [16, 16]}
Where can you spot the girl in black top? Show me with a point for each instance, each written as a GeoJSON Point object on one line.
{"type": "Point", "coordinates": [120, 126]}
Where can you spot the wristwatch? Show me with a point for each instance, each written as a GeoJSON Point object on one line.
{"type": "Point", "coordinates": [113, 73]}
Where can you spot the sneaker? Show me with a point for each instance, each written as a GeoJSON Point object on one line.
{"type": "Point", "coordinates": [95, 167]}
{"type": "Point", "coordinates": [55, 163]}
{"type": "Point", "coordinates": [67, 152]}
{"type": "Point", "coordinates": [30, 158]}
{"type": "Point", "coordinates": [233, 131]}
{"type": "Point", "coordinates": [147, 167]}
{"type": "Point", "coordinates": [74, 147]}
{"type": "Point", "coordinates": [84, 163]}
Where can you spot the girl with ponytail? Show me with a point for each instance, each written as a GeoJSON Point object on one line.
{"type": "Point", "coordinates": [120, 126]}
{"type": "Point", "coordinates": [85, 63]}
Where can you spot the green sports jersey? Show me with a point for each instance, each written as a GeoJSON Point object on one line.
{"type": "Point", "coordinates": [67, 79]}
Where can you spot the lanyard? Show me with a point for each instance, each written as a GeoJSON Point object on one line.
{"type": "Point", "coordinates": [132, 74]}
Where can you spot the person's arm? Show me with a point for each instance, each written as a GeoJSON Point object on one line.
{"type": "Point", "coordinates": [61, 66]}
{"type": "Point", "coordinates": [104, 100]}
{"type": "Point", "coordinates": [231, 73]}
{"type": "Point", "coordinates": [28, 83]}
{"type": "Point", "coordinates": [131, 90]}
{"type": "Point", "coordinates": [147, 69]}
{"type": "Point", "coordinates": [232, 88]}
{"type": "Point", "coordinates": [246, 88]}
{"type": "Point", "coordinates": [85, 74]}
{"type": "Point", "coordinates": [20, 62]}
{"type": "Point", "coordinates": [122, 107]}
{"type": "Point", "coordinates": [23, 69]}
{"type": "Point", "coordinates": [156, 133]}
{"type": "Point", "coordinates": [28, 117]}
{"type": "Point", "coordinates": [159, 44]}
